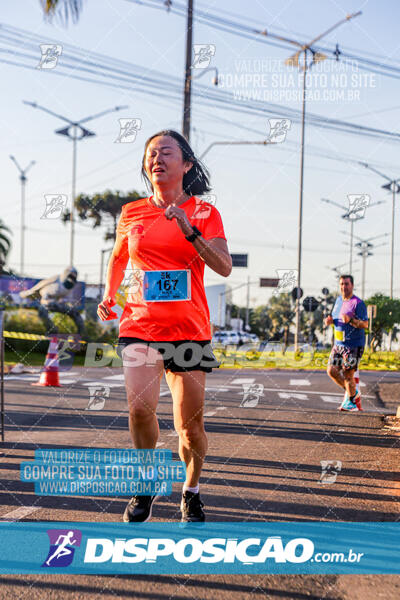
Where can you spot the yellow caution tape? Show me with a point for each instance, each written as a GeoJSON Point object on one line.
{"type": "Point", "coordinates": [19, 335]}
{"type": "Point", "coordinates": [24, 336]}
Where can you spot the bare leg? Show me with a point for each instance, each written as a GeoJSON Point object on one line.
{"type": "Point", "coordinates": [143, 374]}
{"type": "Point", "coordinates": [349, 382]}
{"type": "Point", "coordinates": [188, 391]}
{"type": "Point", "coordinates": [336, 375]}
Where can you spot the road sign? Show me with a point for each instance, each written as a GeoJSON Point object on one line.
{"type": "Point", "coordinates": [269, 281]}
{"type": "Point", "coordinates": [325, 291]}
{"type": "Point", "coordinates": [310, 304]}
{"type": "Point", "coordinates": [371, 311]}
{"type": "Point", "coordinates": [294, 293]}
{"type": "Point", "coordinates": [239, 260]}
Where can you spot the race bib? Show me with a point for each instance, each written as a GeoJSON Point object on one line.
{"type": "Point", "coordinates": [339, 335]}
{"type": "Point", "coordinates": [166, 286]}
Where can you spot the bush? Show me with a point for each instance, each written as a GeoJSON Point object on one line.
{"type": "Point", "coordinates": [28, 321]}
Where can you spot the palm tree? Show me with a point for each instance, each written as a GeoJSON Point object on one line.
{"type": "Point", "coordinates": [5, 243]}
{"type": "Point", "coordinates": [64, 9]}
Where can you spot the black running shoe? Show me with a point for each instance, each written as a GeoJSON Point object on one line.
{"type": "Point", "coordinates": [138, 509]}
{"type": "Point", "coordinates": [192, 508]}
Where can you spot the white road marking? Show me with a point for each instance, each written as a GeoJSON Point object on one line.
{"type": "Point", "coordinates": [241, 380]}
{"type": "Point", "coordinates": [114, 378]}
{"type": "Point", "coordinates": [19, 513]}
{"type": "Point", "coordinates": [160, 444]}
{"type": "Point", "coordinates": [294, 395]}
{"type": "Point", "coordinates": [330, 399]}
{"type": "Point", "coordinates": [209, 414]}
{"type": "Point", "coordinates": [102, 384]}
{"type": "Point", "coordinates": [165, 393]}
{"type": "Point", "coordinates": [299, 382]}
{"type": "Point", "coordinates": [310, 392]}
{"type": "Point", "coordinates": [221, 407]}
{"type": "Point", "coordinates": [22, 377]}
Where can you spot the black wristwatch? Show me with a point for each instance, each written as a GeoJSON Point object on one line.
{"type": "Point", "coordinates": [194, 235]}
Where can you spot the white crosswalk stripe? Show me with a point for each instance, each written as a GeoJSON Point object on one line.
{"type": "Point", "coordinates": [331, 399]}
{"type": "Point", "coordinates": [19, 513]}
{"type": "Point", "coordinates": [294, 395]}
{"type": "Point", "coordinates": [299, 382]}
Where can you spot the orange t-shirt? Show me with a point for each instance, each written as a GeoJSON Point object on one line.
{"type": "Point", "coordinates": [156, 244]}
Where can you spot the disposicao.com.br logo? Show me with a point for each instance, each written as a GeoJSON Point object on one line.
{"type": "Point", "coordinates": [217, 547]}
{"type": "Point", "coordinates": [191, 550]}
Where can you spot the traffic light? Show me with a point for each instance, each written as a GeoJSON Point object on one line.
{"type": "Point", "coordinates": [310, 304]}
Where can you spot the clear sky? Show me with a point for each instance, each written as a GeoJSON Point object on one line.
{"type": "Point", "coordinates": [256, 187]}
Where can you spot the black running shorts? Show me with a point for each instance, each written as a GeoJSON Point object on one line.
{"type": "Point", "coordinates": [178, 356]}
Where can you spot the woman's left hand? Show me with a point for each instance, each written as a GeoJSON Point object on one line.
{"type": "Point", "coordinates": [174, 212]}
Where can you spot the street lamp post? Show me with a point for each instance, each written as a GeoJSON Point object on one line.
{"type": "Point", "coordinates": [248, 283]}
{"type": "Point", "coordinates": [366, 248]}
{"type": "Point", "coordinates": [234, 143]}
{"type": "Point", "coordinates": [294, 61]}
{"type": "Point", "coordinates": [23, 179]}
{"type": "Point", "coordinates": [351, 215]}
{"type": "Point", "coordinates": [74, 132]}
{"type": "Point", "coordinates": [394, 187]}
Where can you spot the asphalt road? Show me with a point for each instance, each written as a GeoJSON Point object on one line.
{"type": "Point", "coordinates": [268, 433]}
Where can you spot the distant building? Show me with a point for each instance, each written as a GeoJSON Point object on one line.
{"type": "Point", "coordinates": [217, 297]}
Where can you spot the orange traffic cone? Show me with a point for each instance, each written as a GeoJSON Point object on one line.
{"type": "Point", "coordinates": [49, 375]}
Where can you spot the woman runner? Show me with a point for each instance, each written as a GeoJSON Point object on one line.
{"type": "Point", "coordinates": [168, 237]}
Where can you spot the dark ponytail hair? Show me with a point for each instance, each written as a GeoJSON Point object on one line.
{"type": "Point", "coordinates": [197, 180]}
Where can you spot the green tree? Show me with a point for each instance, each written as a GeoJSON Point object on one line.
{"type": "Point", "coordinates": [387, 316]}
{"type": "Point", "coordinates": [102, 209]}
{"type": "Point", "coordinates": [63, 9]}
{"type": "Point", "coordinates": [5, 243]}
{"type": "Point", "coordinates": [281, 312]}
{"type": "Point", "coordinates": [260, 322]}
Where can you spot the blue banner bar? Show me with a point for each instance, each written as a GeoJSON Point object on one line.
{"type": "Point", "coordinates": [217, 548]}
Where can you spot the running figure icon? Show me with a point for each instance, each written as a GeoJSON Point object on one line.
{"type": "Point", "coordinates": [62, 550]}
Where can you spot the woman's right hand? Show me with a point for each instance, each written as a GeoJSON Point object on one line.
{"type": "Point", "coordinates": [104, 309]}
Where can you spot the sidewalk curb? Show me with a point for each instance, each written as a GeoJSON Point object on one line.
{"type": "Point", "coordinates": [389, 395]}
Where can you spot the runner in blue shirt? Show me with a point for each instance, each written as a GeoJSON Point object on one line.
{"type": "Point", "coordinates": [349, 318]}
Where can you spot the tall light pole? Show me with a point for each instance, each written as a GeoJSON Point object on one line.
{"type": "Point", "coordinates": [293, 61]}
{"type": "Point", "coordinates": [351, 215]}
{"type": "Point", "coordinates": [187, 93]}
{"type": "Point", "coordinates": [74, 132]}
{"type": "Point", "coordinates": [23, 180]}
{"type": "Point", "coordinates": [394, 187]}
